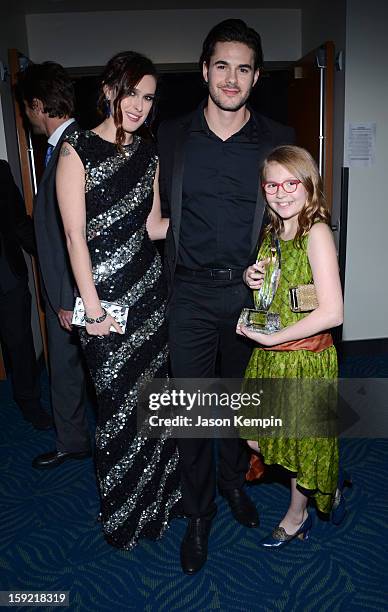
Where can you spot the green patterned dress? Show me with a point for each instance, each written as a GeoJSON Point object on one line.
{"type": "Point", "coordinates": [314, 460]}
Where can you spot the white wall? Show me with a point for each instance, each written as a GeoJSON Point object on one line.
{"type": "Point", "coordinates": [361, 94]}
{"type": "Point", "coordinates": [366, 99]}
{"type": "Point", "coordinates": [322, 21]}
{"type": "Point", "coordinates": [166, 36]}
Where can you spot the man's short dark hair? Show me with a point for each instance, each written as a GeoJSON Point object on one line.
{"type": "Point", "coordinates": [50, 83]}
{"type": "Point", "coordinates": [232, 30]}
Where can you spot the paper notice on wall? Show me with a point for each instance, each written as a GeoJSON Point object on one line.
{"type": "Point", "coordinates": [361, 145]}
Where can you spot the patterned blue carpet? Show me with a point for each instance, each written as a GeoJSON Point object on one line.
{"type": "Point", "coordinates": [50, 539]}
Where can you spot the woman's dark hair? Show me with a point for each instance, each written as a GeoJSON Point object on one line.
{"type": "Point", "coordinates": [121, 74]}
{"type": "Point", "coordinates": [50, 83]}
{"type": "Point", "coordinates": [232, 30]}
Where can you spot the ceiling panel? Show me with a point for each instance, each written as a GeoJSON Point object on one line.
{"type": "Point", "coordinates": [70, 6]}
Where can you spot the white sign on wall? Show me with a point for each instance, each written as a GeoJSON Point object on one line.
{"type": "Point", "coordinates": [361, 145]}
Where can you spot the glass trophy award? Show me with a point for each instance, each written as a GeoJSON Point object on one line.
{"type": "Point", "coordinates": [259, 318]}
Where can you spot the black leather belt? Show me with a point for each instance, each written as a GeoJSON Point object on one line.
{"type": "Point", "coordinates": [227, 274]}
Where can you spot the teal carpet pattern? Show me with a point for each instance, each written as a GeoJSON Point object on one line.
{"type": "Point", "coordinates": [50, 540]}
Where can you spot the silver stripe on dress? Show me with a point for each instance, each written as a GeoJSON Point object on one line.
{"type": "Point", "coordinates": [150, 513]}
{"type": "Point", "coordinates": [118, 517]}
{"type": "Point", "coordinates": [119, 258]}
{"type": "Point", "coordinates": [118, 471]}
{"type": "Point", "coordinates": [127, 204]}
{"type": "Point", "coordinates": [137, 290]}
{"type": "Point", "coordinates": [95, 175]}
{"type": "Point", "coordinates": [121, 515]}
{"type": "Point", "coordinates": [105, 434]}
{"type": "Point", "coordinates": [113, 365]}
{"type": "Point", "coordinates": [147, 281]}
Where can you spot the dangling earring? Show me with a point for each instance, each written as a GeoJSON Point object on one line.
{"type": "Point", "coordinates": [107, 107]}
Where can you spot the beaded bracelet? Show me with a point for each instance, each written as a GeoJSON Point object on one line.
{"type": "Point", "coordinates": [99, 319]}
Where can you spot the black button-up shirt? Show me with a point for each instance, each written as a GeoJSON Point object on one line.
{"type": "Point", "coordinates": [220, 186]}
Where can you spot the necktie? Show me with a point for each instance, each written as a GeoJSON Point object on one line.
{"type": "Point", "coordinates": [49, 151]}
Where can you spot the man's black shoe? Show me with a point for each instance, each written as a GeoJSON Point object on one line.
{"type": "Point", "coordinates": [194, 544]}
{"type": "Point", "coordinates": [56, 458]}
{"type": "Point", "coordinates": [242, 507]}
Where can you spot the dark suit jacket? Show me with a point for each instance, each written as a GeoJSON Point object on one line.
{"type": "Point", "coordinates": [53, 257]}
{"type": "Point", "coordinates": [16, 228]}
{"type": "Point", "coordinates": [172, 135]}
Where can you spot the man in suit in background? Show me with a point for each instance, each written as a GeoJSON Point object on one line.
{"type": "Point", "coordinates": [17, 232]}
{"type": "Point", "coordinates": [209, 177]}
{"type": "Point", "coordinates": [48, 96]}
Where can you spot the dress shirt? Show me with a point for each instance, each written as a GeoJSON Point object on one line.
{"type": "Point", "coordinates": [220, 185]}
{"type": "Point", "coordinates": [55, 136]}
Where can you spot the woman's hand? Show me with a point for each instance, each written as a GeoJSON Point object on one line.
{"type": "Point", "coordinates": [103, 328]}
{"type": "Point", "coordinates": [260, 338]}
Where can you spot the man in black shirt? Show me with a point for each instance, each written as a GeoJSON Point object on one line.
{"type": "Point", "coordinates": [209, 177]}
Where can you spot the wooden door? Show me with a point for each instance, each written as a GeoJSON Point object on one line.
{"type": "Point", "coordinates": [3, 373]}
{"type": "Point", "coordinates": [310, 109]}
{"type": "Point", "coordinates": [29, 179]}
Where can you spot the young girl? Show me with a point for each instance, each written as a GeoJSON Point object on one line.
{"type": "Point", "coordinates": [299, 221]}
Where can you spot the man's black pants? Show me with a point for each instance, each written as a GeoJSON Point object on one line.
{"type": "Point", "coordinates": [16, 336]}
{"type": "Point", "coordinates": [202, 332]}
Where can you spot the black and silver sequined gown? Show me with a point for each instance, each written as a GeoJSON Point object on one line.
{"type": "Point", "coordinates": [138, 477]}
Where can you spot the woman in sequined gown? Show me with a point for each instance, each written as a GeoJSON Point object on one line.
{"type": "Point", "coordinates": [108, 198]}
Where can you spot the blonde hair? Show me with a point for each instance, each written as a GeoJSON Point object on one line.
{"type": "Point", "coordinates": [302, 165]}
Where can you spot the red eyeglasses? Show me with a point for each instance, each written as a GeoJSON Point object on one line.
{"type": "Point", "coordinates": [271, 187]}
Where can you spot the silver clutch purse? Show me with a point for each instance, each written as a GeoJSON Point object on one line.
{"type": "Point", "coordinates": [117, 311]}
{"type": "Point", "coordinates": [303, 298]}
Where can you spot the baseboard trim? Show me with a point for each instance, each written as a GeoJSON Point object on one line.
{"type": "Point", "coordinates": [352, 348]}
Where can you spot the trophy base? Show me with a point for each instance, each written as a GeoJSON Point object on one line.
{"type": "Point", "coordinates": [260, 320]}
